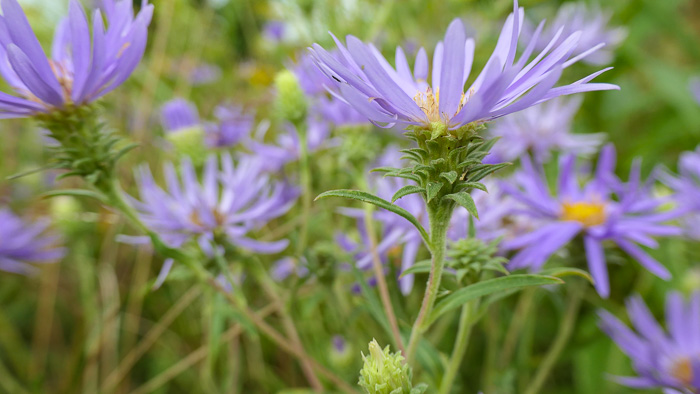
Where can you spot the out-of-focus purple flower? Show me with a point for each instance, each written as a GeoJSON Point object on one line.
{"type": "Point", "coordinates": [389, 96]}
{"type": "Point", "coordinates": [540, 130]}
{"type": "Point", "coordinates": [204, 73]}
{"type": "Point", "coordinates": [230, 201]}
{"type": "Point", "coordinates": [274, 30]}
{"type": "Point", "coordinates": [668, 359]}
{"type": "Point", "coordinates": [605, 209]}
{"type": "Point", "coordinates": [287, 147]}
{"type": "Point", "coordinates": [285, 267]}
{"type": "Point", "coordinates": [86, 63]}
{"type": "Point", "coordinates": [233, 125]}
{"type": "Point", "coordinates": [686, 188]}
{"type": "Point", "coordinates": [23, 244]}
{"type": "Point", "coordinates": [325, 105]}
{"type": "Point", "coordinates": [695, 88]}
{"type": "Point", "coordinates": [591, 22]}
{"type": "Point", "coordinates": [179, 114]}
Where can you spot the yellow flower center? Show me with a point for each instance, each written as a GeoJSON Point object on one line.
{"type": "Point", "coordinates": [429, 102]}
{"type": "Point", "coordinates": [683, 371]}
{"type": "Point", "coordinates": [587, 213]}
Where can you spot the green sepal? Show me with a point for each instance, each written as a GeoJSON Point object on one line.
{"type": "Point", "coordinates": [450, 177]}
{"type": "Point", "coordinates": [432, 190]}
{"type": "Point", "coordinates": [465, 199]}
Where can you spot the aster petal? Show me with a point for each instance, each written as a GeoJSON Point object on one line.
{"type": "Point", "coordinates": [596, 264]}
{"type": "Point", "coordinates": [644, 259]}
{"type": "Point", "coordinates": [452, 69]}
{"type": "Point", "coordinates": [30, 77]}
{"type": "Point", "coordinates": [80, 47]}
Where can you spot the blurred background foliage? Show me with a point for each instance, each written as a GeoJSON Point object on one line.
{"type": "Point", "coordinates": [93, 318]}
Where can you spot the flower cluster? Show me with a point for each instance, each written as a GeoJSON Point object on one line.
{"type": "Point", "coordinates": [663, 359]}
{"type": "Point", "coordinates": [23, 244]}
{"type": "Point", "coordinates": [389, 96]}
{"type": "Point", "coordinates": [604, 209]}
{"type": "Point", "coordinates": [86, 63]}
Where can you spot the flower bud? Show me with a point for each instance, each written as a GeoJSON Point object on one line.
{"type": "Point", "coordinates": [384, 372]}
{"type": "Point", "coordinates": [189, 142]}
{"type": "Point", "coordinates": [291, 102]}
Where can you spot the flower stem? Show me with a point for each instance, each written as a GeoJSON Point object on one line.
{"type": "Point", "coordinates": [563, 334]}
{"type": "Point", "coordinates": [305, 174]}
{"type": "Point", "coordinates": [466, 322]}
{"type": "Point", "coordinates": [439, 216]}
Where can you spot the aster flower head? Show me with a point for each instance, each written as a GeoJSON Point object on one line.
{"type": "Point", "coordinates": [23, 244]}
{"type": "Point", "coordinates": [178, 115]}
{"type": "Point", "coordinates": [668, 359]}
{"type": "Point", "coordinates": [686, 188]}
{"type": "Point", "coordinates": [541, 130]}
{"type": "Point", "coordinates": [85, 64]}
{"type": "Point", "coordinates": [229, 202]}
{"type": "Point", "coordinates": [592, 22]}
{"type": "Point", "coordinates": [233, 124]}
{"type": "Point", "coordinates": [602, 209]}
{"type": "Point", "coordinates": [389, 96]}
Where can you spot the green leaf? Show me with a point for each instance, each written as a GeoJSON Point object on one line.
{"type": "Point", "coordinates": [559, 272]}
{"type": "Point", "coordinates": [450, 177]}
{"type": "Point", "coordinates": [419, 389]}
{"type": "Point", "coordinates": [406, 190]}
{"type": "Point", "coordinates": [477, 175]}
{"type": "Point", "coordinates": [433, 189]}
{"type": "Point", "coordinates": [420, 267]}
{"type": "Point", "coordinates": [381, 203]}
{"type": "Point", "coordinates": [478, 290]}
{"type": "Point", "coordinates": [464, 199]}
{"type": "Point", "coordinates": [124, 151]}
{"type": "Point", "coordinates": [384, 169]}
{"type": "Point", "coordinates": [473, 185]}
{"type": "Point", "coordinates": [75, 193]}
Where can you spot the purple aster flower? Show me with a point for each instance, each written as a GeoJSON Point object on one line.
{"type": "Point", "coordinates": [668, 359]}
{"type": "Point", "coordinates": [274, 30]}
{"type": "Point", "coordinates": [325, 105]}
{"type": "Point", "coordinates": [287, 266]}
{"type": "Point", "coordinates": [541, 130]}
{"type": "Point", "coordinates": [204, 73]}
{"type": "Point", "coordinates": [591, 22]}
{"type": "Point", "coordinates": [389, 96]}
{"type": "Point", "coordinates": [686, 189]}
{"type": "Point", "coordinates": [179, 114]}
{"type": "Point", "coordinates": [23, 244]}
{"type": "Point", "coordinates": [604, 209]}
{"type": "Point", "coordinates": [232, 126]}
{"type": "Point", "coordinates": [695, 88]}
{"type": "Point", "coordinates": [231, 201]}
{"type": "Point", "coordinates": [287, 147]}
{"type": "Point", "coordinates": [83, 67]}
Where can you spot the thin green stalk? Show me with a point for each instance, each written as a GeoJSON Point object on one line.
{"type": "Point", "coordinates": [562, 338]}
{"type": "Point", "coordinates": [306, 198]}
{"type": "Point", "coordinates": [439, 221]}
{"type": "Point", "coordinates": [466, 322]}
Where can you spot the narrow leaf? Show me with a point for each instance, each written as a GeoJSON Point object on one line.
{"type": "Point", "coordinates": [478, 290]}
{"type": "Point", "coordinates": [433, 189]}
{"type": "Point", "coordinates": [406, 190]}
{"type": "Point", "coordinates": [75, 193]}
{"type": "Point", "coordinates": [450, 177]}
{"type": "Point", "coordinates": [559, 272]}
{"type": "Point", "coordinates": [381, 203]}
{"type": "Point", "coordinates": [465, 199]}
{"type": "Point", "coordinates": [420, 267]}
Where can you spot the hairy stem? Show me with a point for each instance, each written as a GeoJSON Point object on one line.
{"type": "Point", "coordinates": [439, 221]}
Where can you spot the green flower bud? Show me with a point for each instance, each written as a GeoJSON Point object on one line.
{"type": "Point", "coordinates": [291, 102]}
{"type": "Point", "coordinates": [189, 142]}
{"type": "Point", "coordinates": [384, 372]}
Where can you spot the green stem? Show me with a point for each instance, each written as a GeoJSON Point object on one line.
{"type": "Point", "coordinates": [306, 198]}
{"type": "Point", "coordinates": [466, 322]}
{"type": "Point", "coordinates": [439, 221]}
{"type": "Point", "coordinates": [563, 334]}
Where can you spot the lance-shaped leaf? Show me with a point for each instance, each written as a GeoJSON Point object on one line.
{"type": "Point", "coordinates": [450, 177]}
{"type": "Point", "coordinates": [560, 272]}
{"type": "Point", "coordinates": [476, 175]}
{"type": "Point", "coordinates": [491, 286]}
{"type": "Point", "coordinates": [406, 190]}
{"type": "Point", "coordinates": [381, 203]}
{"type": "Point", "coordinates": [464, 199]}
{"type": "Point", "coordinates": [433, 189]}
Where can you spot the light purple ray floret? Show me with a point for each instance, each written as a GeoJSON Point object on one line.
{"type": "Point", "coordinates": [541, 130]}
{"type": "Point", "coordinates": [86, 61]}
{"type": "Point", "coordinates": [398, 95]}
{"type": "Point", "coordinates": [179, 114]}
{"type": "Point", "coordinates": [397, 233]}
{"type": "Point", "coordinates": [603, 209]}
{"type": "Point", "coordinates": [592, 22]}
{"type": "Point", "coordinates": [23, 244]}
{"type": "Point", "coordinates": [323, 104]}
{"type": "Point", "coordinates": [669, 358]}
{"type": "Point", "coordinates": [686, 190]}
{"type": "Point", "coordinates": [233, 125]}
{"type": "Point", "coordinates": [230, 199]}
